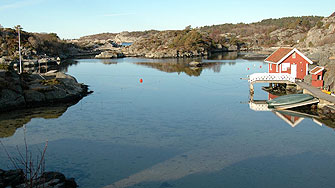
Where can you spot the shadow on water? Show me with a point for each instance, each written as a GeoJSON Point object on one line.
{"type": "Point", "coordinates": [270, 170]}
{"type": "Point", "coordinates": [13, 120]}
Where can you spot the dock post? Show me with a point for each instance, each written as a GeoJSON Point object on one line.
{"type": "Point", "coordinates": [251, 89]}
{"type": "Point", "coordinates": [251, 97]}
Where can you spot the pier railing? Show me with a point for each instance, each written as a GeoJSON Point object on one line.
{"type": "Point", "coordinates": [259, 105]}
{"type": "Point", "coordinates": [268, 77]}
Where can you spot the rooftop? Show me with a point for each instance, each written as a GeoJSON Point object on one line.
{"type": "Point", "coordinates": [316, 70]}
{"type": "Point", "coordinates": [279, 54]}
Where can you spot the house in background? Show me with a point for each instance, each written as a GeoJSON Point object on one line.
{"type": "Point", "coordinates": [289, 60]}
{"type": "Point", "coordinates": [317, 76]}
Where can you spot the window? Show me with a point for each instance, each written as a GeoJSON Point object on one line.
{"type": "Point", "coordinates": [294, 55]}
{"type": "Point", "coordinates": [285, 66]}
{"type": "Point", "coordinates": [319, 77]}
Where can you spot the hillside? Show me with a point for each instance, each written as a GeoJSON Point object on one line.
{"type": "Point", "coordinates": [33, 45]}
{"type": "Point", "coordinates": [171, 43]}
{"type": "Point", "coordinates": [266, 33]}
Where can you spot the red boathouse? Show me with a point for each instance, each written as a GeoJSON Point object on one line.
{"type": "Point", "coordinates": [317, 76]}
{"type": "Point", "coordinates": [289, 60]}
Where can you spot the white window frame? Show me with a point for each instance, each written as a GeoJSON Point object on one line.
{"type": "Point", "coordinates": [276, 67]}
{"type": "Point", "coordinates": [286, 66]}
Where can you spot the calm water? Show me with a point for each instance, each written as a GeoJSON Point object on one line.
{"type": "Point", "coordinates": [181, 127]}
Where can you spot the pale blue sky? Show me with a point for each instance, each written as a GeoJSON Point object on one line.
{"type": "Point", "coordinates": [75, 18]}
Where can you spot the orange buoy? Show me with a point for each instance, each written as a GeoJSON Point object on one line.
{"type": "Point", "coordinates": [260, 66]}
{"type": "Point", "coordinates": [141, 80]}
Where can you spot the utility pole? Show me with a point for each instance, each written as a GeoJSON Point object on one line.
{"type": "Point", "coordinates": [18, 30]}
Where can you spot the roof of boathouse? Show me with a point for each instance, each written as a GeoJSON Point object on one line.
{"type": "Point", "coordinates": [281, 54]}
{"type": "Point", "coordinates": [316, 70]}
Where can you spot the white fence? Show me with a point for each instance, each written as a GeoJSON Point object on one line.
{"type": "Point", "coordinates": [259, 107]}
{"type": "Point", "coordinates": [271, 77]}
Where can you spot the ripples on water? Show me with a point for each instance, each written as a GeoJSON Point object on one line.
{"type": "Point", "coordinates": [181, 127]}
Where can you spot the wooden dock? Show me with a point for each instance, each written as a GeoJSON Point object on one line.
{"type": "Point", "coordinates": [279, 78]}
{"type": "Point", "coordinates": [324, 98]}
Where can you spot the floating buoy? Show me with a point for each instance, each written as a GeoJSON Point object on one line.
{"type": "Point", "coordinates": [248, 68]}
{"type": "Point", "coordinates": [141, 80]}
{"type": "Point", "coordinates": [260, 66]}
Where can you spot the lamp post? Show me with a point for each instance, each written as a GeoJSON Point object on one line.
{"type": "Point", "coordinates": [18, 30]}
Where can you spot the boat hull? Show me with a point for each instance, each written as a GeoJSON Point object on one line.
{"type": "Point", "coordinates": [289, 99]}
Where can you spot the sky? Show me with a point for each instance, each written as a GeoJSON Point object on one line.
{"type": "Point", "coordinates": [75, 18]}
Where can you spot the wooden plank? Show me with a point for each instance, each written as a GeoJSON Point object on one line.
{"type": "Point", "coordinates": [331, 106]}
{"type": "Point", "coordinates": [317, 92]}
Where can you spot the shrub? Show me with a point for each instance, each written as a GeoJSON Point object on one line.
{"type": "Point", "coordinates": [310, 44]}
{"type": "Point", "coordinates": [319, 24]}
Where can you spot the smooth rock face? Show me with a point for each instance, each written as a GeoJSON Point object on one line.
{"type": "Point", "coordinates": [109, 55]}
{"type": "Point", "coordinates": [33, 90]}
{"type": "Point", "coordinates": [11, 98]}
{"type": "Point", "coordinates": [33, 96]}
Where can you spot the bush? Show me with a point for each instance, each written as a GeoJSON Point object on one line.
{"type": "Point", "coordinates": [319, 24]}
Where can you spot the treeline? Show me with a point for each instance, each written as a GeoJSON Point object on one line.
{"type": "Point", "coordinates": [107, 36]}
{"type": "Point", "coordinates": [177, 40]}
{"type": "Point", "coordinates": [267, 25]}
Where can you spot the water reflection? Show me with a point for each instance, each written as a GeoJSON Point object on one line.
{"type": "Point", "coordinates": [183, 67]}
{"type": "Point", "coordinates": [10, 121]}
{"type": "Point", "coordinates": [174, 131]}
{"type": "Point", "coordinates": [292, 117]}
{"type": "Point", "coordinates": [224, 56]}
{"type": "Point", "coordinates": [174, 67]}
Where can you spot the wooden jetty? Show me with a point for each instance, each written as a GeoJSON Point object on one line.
{"type": "Point", "coordinates": [277, 78]}
{"type": "Point", "coordinates": [324, 98]}
{"type": "Point", "coordinates": [284, 78]}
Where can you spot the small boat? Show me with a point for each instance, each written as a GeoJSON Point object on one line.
{"type": "Point", "coordinates": [289, 100]}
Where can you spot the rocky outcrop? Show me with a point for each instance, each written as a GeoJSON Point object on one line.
{"type": "Point", "coordinates": [16, 178]}
{"type": "Point", "coordinates": [109, 55]}
{"type": "Point", "coordinates": [27, 90]}
{"type": "Point", "coordinates": [323, 56]}
{"type": "Point", "coordinates": [322, 34]}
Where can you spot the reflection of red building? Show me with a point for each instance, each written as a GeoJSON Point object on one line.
{"type": "Point", "coordinates": [289, 60]}
{"type": "Point", "coordinates": [317, 76]}
{"type": "Point", "coordinates": [289, 119]}
{"type": "Point", "coordinates": [272, 96]}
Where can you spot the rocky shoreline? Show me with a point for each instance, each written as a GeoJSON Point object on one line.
{"type": "Point", "coordinates": [32, 90]}
{"type": "Point", "coordinates": [16, 178]}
